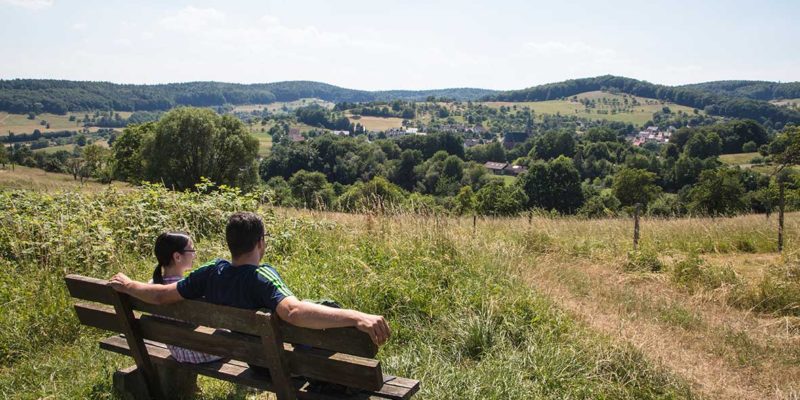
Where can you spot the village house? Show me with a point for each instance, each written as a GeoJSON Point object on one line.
{"type": "Point", "coordinates": [341, 133]}
{"type": "Point", "coordinates": [653, 134]}
{"type": "Point", "coordinates": [496, 167]}
{"type": "Point", "coordinates": [295, 136]}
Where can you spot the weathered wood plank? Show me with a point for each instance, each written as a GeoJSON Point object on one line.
{"type": "Point", "coordinates": [278, 364]}
{"type": "Point", "coordinates": [344, 340]}
{"type": "Point", "coordinates": [348, 370]}
{"type": "Point", "coordinates": [238, 372]}
{"type": "Point", "coordinates": [134, 337]}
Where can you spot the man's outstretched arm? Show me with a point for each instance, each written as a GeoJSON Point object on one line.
{"type": "Point", "coordinates": [147, 292]}
{"type": "Point", "coordinates": [315, 316]}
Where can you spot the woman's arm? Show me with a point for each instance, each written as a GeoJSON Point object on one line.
{"type": "Point", "coordinates": [147, 292]}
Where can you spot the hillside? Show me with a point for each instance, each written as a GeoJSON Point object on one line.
{"type": "Point", "coordinates": [757, 90]}
{"type": "Point", "coordinates": [549, 309]}
{"type": "Point", "coordinates": [712, 103]}
{"type": "Point", "coordinates": [60, 96]}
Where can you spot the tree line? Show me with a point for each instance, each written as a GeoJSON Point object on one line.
{"type": "Point", "coordinates": [60, 96]}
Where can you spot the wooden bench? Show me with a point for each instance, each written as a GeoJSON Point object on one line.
{"type": "Point", "coordinates": [343, 356]}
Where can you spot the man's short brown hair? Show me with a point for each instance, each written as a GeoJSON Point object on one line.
{"type": "Point", "coordinates": [243, 232]}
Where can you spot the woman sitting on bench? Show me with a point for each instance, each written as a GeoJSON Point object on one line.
{"type": "Point", "coordinates": [175, 254]}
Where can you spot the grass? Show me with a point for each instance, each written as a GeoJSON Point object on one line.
{"type": "Point", "coordinates": [463, 322]}
{"type": "Point", "coordinates": [738, 159]}
{"type": "Point", "coordinates": [377, 123]}
{"type": "Point", "coordinates": [278, 106]}
{"type": "Point", "coordinates": [40, 180]}
{"type": "Point", "coordinates": [640, 114]}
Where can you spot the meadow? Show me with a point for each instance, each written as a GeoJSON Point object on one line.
{"type": "Point", "coordinates": [504, 309]}
{"type": "Point", "coordinates": [19, 123]}
{"type": "Point", "coordinates": [638, 115]}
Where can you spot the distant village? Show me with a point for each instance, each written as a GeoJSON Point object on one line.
{"type": "Point", "coordinates": [651, 134]}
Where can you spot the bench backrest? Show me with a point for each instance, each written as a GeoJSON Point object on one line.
{"type": "Point", "coordinates": [342, 355]}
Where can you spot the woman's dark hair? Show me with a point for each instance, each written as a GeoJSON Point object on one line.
{"type": "Point", "coordinates": [166, 245]}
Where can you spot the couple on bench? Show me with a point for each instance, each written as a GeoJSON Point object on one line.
{"type": "Point", "coordinates": [241, 282]}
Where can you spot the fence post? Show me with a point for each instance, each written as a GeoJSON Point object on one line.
{"type": "Point", "coordinates": [530, 217]}
{"type": "Point", "coordinates": [474, 224]}
{"type": "Point", "coordinates": [636, 227]}
{"type": "Point", "coordinates": [780, 218]}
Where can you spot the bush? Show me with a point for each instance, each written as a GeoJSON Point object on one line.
{"type": "Point", "coordinates": [643, 261]}
{"type": "Point", "coordinates": [778, 292]}
{"type": "Point", "coordinates": [691, 273]}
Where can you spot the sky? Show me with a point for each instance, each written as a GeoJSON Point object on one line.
{"type": "Point", "coordinates": [408, 44]}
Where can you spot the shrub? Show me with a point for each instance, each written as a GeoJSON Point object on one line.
{"type": "Point", "coordinates": [643, 261]}
{"type": "Point", "coordinates": [692, 274]}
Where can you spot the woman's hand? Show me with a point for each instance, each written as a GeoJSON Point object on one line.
{"type": "Point", "coordinates": [119, 282]}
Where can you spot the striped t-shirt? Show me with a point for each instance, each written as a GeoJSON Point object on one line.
{"type": "Point", "coordinates": [243, 286]}
{"type": "Point", "coordinates": [186, 355]}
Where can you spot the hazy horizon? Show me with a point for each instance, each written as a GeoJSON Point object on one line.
{"type": "Point", "coordinates": [395, 45]}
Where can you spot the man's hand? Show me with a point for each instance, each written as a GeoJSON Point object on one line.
{"type": "Point", "coordinates": [375, 326]}
{"type": "Point", "coordinates": [119, 282]}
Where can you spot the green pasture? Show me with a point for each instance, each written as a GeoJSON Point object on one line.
{"type": "Point", "coordinates": [638, 115]}
{"type": "Point", "coordinates": [738, 159]}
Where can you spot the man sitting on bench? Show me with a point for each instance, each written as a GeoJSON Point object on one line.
{"type": "Point", "coordinates": [243, 283]}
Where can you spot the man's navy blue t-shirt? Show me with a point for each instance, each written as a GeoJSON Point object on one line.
{"type": "Point", "coordinates": [242, 286]}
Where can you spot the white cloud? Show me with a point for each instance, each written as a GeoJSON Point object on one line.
{"type": "Point", "coordinates": [79, 26]}
{"type": "Point", "coordinates": [29, 4]}
{"type": "Point", "coordinates": [192, 19]}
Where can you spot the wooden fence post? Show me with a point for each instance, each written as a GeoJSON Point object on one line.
{"type": "Point", "coordinates": [780, 217]}
{"type": "Point", "coordinates": [636, 227]}
{"type": "Point", "coordinates": [530, 217]}
{"type": "Point", "coordinates": [474, 224]}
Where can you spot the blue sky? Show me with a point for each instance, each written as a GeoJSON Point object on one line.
{"type": "Point", "coordinates": [399, 44]}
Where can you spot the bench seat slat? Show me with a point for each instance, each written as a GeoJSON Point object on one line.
{"type": "Point", "coordinates": [344, 340]}
{"type": "Point", "coordinates": [238, 372]}
{"type": "Point", "coordinates": [352, 371]}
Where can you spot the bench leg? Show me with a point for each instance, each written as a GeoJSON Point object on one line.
{"type": "Point", "coordinates": [129, 384]}
{"type": "Point", "coordinates": [178, 383]}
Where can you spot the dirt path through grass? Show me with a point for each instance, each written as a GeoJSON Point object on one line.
{"type": "Point", "coordinates": [723, 352]}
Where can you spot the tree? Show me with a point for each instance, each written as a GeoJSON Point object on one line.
{"type": "Point", "coordinates": [496, 198]}
{"type": "Point", "coordinates": [718, 192]}
{"type": "Point", "coordinates": [377, 194]}
{"type": "Point", "coordinates": [311, 189]}
{"type": "Point", "coordinates": [3, 155]}
{"type": "Point", "coordinates": [127, 152]}
{"type": "Point", "coordinates": [403, 173]}
{"type": "Point", "coordinates": [98, 162]}
{"type": "Point", "coordinates": [553, 144]}
{"type": "Point", "coordinates": [553, 185]}
{"type": "Point", "coordinates": [192, 143]}
{"type": "Point", "coordinates": [633, 185]}
{"type": "Point", "coordinates": [465, 201]}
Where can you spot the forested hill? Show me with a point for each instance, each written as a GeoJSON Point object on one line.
{"type": "Point", "coordinates": [710, 101]}
{"type": "Point", "coordinates": [60, 96]}
{"type": "Point", "coordinates": [757, 90]}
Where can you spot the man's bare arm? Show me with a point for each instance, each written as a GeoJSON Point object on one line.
{"type": "Point", "coordinates": [147, 292]}
{"type": "Point", "coordinates": [315, 316]}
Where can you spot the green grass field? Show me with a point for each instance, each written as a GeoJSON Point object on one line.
{"type": "Point", "coordinates": [738, 159]}
{"type": "Point", "coordinates": [640, 114]}
{"type": "Point", "coordinates": [279, 106]}
{"type": "Point", "coordinates": [19, 123]}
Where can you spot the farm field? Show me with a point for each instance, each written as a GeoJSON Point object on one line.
{"type": "Point", "coordinates": [640, 114]}
{"type": "Point", "coordinates": [279, 106]}
{"type": "Point", "coordinates": [791, 103]}
{"type": "Point", "coordinates": [377, 123]}
{"type": "Point", "coordinates": [40, 180]}
{"type": "Point", "coordinates": [738, 159]}
{"type": "Point", "coordinates": [19, 123]}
